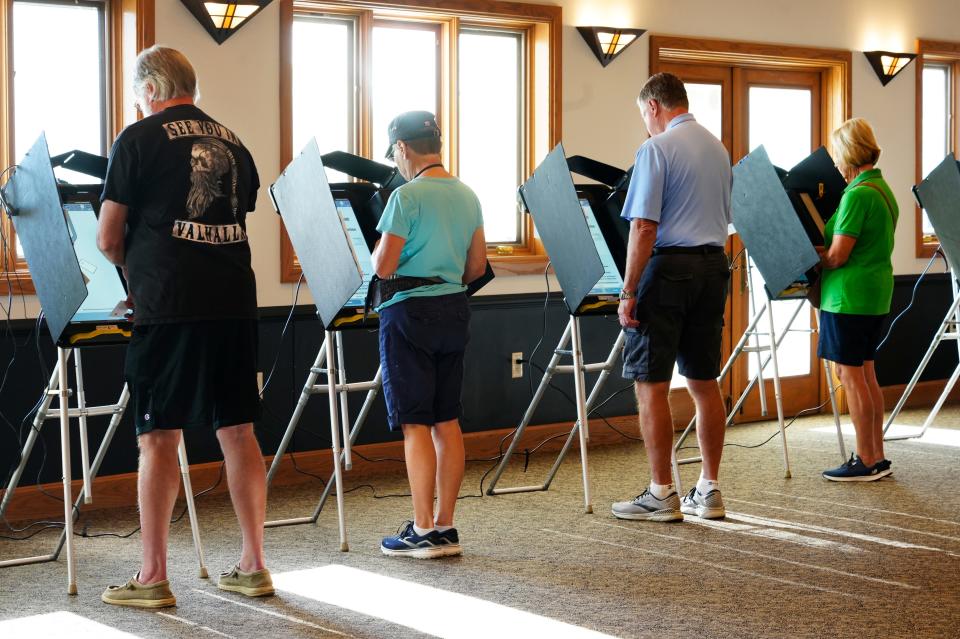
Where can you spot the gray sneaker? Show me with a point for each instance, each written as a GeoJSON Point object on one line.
{"type": "Point", "coordinates": [709, 506]}
{"type": "Point", "coordinates": [646, 506]}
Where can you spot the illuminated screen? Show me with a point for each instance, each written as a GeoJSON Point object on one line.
{"type": "Point", "coordinates": [611, 283]}
{"type": "Point", "coordinates": [104, 286]}
{"type": "Point", "coordinates": [360, 250]}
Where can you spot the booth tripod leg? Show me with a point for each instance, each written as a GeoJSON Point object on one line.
{"type": "Point", "coordinates": [84, 444]}
{"type": "Point", "coordinates": [579, 383]}
{"type": "Point", "coordinates": [777, 391]}
{"type": "Point", "coordinates": [756, 338]}
{"type": "Point", "coordinates": [298, 411]}
{"type": "Point", "coordinates": [344, 404]}
{"type": "Point", "coordinates": [527, 416]}
{"type": "Point", "coordinates": [933, 412]}
{"type": "Point", "coordinates": [354, 432]}
{"type": "Point", "coordinates": [591, 399]}
{"type": "Point", "coordinates": [64, 407]}
{"type": "Point", "coordinates": [120, 407]}
{"type": "Point", "coordinates": [937, 339]}
{"type": "Point", "coordinates": [191, 507]}
{"type": "Point", "coordinates": [832, 391]}
{"type": "Point", "coordinates": [38, 420]}
{"type": "Point", "coordinates": [335, 439]}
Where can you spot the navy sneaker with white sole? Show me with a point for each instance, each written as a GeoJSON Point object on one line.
{"type": "Point", "coordinates": [407, 543]}
{"type": "Point", "coordinates": [855, 470]}
{"type": "Point", "coordinates": [450, 542]}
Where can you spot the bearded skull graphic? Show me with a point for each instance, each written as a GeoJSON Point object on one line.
{"type": "Point", "coordinates": [209, 162]}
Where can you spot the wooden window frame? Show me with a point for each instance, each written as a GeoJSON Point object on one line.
{"type": "Point", "coordinates": [939, 52]}
{"type": "Point", "coordinates": [131, 28]}
{"type": "Point", "coordinates": [542, 27]}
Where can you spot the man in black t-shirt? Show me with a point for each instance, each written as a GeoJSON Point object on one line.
{"type": "Point", "coordinates": [173, 215]}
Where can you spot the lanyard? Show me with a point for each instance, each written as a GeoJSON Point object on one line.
{"type": "Point", "coordinates": [425, 169]}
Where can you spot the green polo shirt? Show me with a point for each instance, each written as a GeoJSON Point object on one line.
{"type": "Point", "coordinates": [864, 285]}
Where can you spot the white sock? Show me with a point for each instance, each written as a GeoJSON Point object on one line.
{"type": "Point", "coordinates": [704, 486]}
{"type": "Point", "coordinates": [421, 531]}
{"type": "Point", "coordinates": [444, 529]}
{"type": "Point", "coordinates": [661, 491]}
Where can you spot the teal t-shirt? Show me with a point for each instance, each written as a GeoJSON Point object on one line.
{"type": "Point", "coordinates": [438, 218]}
{"type": "Point", "coordinates": [864, 285]}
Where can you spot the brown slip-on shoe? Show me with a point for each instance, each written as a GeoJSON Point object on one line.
{"type": "Point", "coordinates": [251, 584]}
{"type": "Point", "coordinates": [138, 595]}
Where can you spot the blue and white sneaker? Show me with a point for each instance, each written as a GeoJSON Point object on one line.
{"type": "Point", "coordinates": [450, 542]}
{"type": "Point", "coordinates": [407, 543]}
{"type": "Point", "coordinates": [855, 470]}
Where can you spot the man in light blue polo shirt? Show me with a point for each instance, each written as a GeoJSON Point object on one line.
{"type": "Point", "coordinates": [674, 293]}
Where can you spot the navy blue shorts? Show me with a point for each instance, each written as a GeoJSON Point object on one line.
{"type": "Point", "coordinates": [422, 341]}
{"type": "Point", "coordinates": [849, 339]}
{"type": "Point", "coordinates": [680, 304]}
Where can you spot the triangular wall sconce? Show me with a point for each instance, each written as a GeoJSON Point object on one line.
{"type": "Point", "coordinates": [608, 42]}
{"type": "Point", "coordinates": [223, 19]}
{"type": "Point", "coordinates": [887, 64]}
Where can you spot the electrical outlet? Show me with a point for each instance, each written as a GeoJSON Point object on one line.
{"type": "Point", "coordinates": [260, 380]}
{"type": "Point", "coordinates": [516, 365]}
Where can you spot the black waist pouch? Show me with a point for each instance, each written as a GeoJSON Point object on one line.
{"type": "Point", "coordinates": [382, 291]}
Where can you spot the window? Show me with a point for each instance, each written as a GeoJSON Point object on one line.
{"type": "Point", "coordinates": [324, 102]}
{"type": "Point", "coordinates": [490, 72]}
{"type": "Point", "coordinates": [491, 126]}
{"type": "Point", "coordinates": [938, 70]}
{"type": "Point", "coordinates": [82, 44]}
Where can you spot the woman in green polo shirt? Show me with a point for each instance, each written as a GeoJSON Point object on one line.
{"type": "Point", "coordinates": [856, 292]}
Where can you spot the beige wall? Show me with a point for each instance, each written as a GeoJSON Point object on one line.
{"type": "Point", "coordinates": [239, 82]}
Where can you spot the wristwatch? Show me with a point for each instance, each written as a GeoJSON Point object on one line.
{"type": "Point", "coordinates": [627, 295]}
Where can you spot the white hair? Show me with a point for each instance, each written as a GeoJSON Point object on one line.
{"type": "Point", "coordinates": [169, 73]}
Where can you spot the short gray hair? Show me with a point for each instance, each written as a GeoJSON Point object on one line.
{"type": "Point", "coordinates": [168, 70]}
{"type": "Point", "coordinates": [667, 89]}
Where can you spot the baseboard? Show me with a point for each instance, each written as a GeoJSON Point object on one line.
{"type": "Point", "coordinates": [924, 394]}
{"type": "Point", "coordinates": [30, 503]}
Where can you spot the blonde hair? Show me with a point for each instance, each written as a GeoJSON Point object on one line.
{"type": "Point", "coordinates": [168, 71]}
{"type": "Point", "coordinates": [854, 144]}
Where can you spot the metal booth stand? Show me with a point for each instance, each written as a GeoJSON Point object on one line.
{"type": "Point", "coordinates": [601, 205]}
{"type": "Point", "coordinates": [938, 194]}
{"type": "Point", "coordinates": [549, 195]}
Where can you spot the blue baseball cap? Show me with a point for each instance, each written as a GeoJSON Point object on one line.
{"type": "Point", "coordinates": [411, 125]}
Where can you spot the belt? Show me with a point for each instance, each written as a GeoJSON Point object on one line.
{"type": "Point", "coordinates": [705, 249]}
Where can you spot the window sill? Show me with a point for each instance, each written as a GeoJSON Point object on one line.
{"type": "Point", "coordinates": [17, 283]}
{"type": "Point", "coordinates": [518, 264]}
{"type": "Point", "coordinates": [927, 250]}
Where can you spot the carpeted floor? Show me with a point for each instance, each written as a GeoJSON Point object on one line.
{"type": "Point", "coordinates": [796, 557]}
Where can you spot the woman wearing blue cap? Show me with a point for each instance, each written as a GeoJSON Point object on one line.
{"type": "Point", "coordinates": [432, 245]}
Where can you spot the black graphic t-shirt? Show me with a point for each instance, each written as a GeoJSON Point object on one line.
{"type": "Point", "coordinates": [188, 182]}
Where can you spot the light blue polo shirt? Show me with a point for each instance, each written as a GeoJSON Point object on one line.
{"type": "Point", "coordinates": [438, 218]}
{"type": "Point", "coordinates": [681, 180]}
